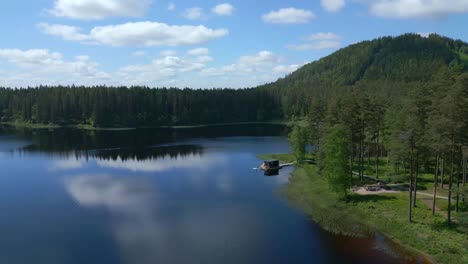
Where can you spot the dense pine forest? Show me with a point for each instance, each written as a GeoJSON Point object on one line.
{"type": "Point", "coordinates": [135, 106]}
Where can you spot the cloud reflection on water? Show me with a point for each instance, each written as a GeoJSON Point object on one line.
{"type": "Point", "coordinates": [67, 164]}
{"type": "Point", "coordinates": [151, 228]}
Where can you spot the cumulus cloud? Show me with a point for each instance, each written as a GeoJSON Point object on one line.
{"type": "Point", "coordinates": [22, 68]}
{"type": "Point", "coordinates": [193, 13]}
{"type": "Point", "coordinates": [146, 33]}
{"type": "Point", "coordinates": [41, 66]}
{"type": "Point", "coordinates": [99, 9]}
{"type": "Point", "coordinates": [224, 9]}
{"type": "Point", "coordinates": [285, 69]}
{"type": "Point", "coordinates": [425, 34]}
{"type": "Point", "coordinates": [323, 36]}
{"type": "Point", "coordinates": [261, 58]}
{"type": "Point", "coordinates": [199, 52]}
{"type": "Point", "coordinates": [332, 5]}
{"type": "Point", "coordinates": [63, 31]}
{"type": "Point", "coordinates": [418, 8]}
{"type": "Point", "coordinates": [318, 45]}
{"type": "Point", "coordinates": [318, 41]}
{"type": "Point", "coordinates": [248, 70]}
{"type": "Point", "coordinates": [165, 53]}
{"type": "Point", "coordinates": [288, 16]}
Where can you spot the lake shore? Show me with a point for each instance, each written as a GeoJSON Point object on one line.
{"type": "Point", "coordinates": [384, 213]}
{"type": "Point", "coordinates": [90, 127]}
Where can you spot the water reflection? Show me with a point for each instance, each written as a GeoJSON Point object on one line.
{"type": "Point", "coordinates": [160, 164]}
{"type": "Point", "coordinates": [154, 196]}
{"type": "Point", "coordinates": [133, 205]}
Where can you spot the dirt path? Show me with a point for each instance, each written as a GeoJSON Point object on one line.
{"type": "Point", "coordinates": [428, 202]}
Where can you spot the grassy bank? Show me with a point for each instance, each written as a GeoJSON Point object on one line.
{"type": "Point", "coordinates": [385, 213]}
{"type": "Point", "coordinates": [90, 127]}
{"type": "Point", "coordinates": [30, 125]}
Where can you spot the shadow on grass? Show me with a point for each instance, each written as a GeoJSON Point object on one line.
{"type": "Point", "coordinates": [455, 227]}
{"type": "Point", "coordinates": [357, 198]}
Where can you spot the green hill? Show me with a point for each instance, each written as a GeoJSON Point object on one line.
{"type": "Point", "coordinates": [386, 65]}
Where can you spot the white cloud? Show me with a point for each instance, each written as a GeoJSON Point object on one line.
{"type": "Point", "coordinates": [203, 59]}
{"type": "Point", "coordinates": [171, 6]}
{"type": "Point", "coordinates": [332, 5]}
{"type": "Point", "coordinates": [418, 8]}
{"type": "Point", "coordinates": [146, 33]}
{"type": "Point", "coordinates": [139, 53]}
{"type": "Point", "coordinates": [165, 53]}
{"type": "Point", "coordinates": [261, 58]}
{"type": "Point", "coordinates": [285, 69]}
{"type": "Point", "coordinates": [224, 9]}
{"type": "Point", "coordinates": [323, 36]}
{"type": "Point", "coordinates": [193, 13]}
{"type": "Point", "coordinates": [425, 34]}
{"type": "Point", "coordinates": [40, 66]}
{"type": "Point", "coordinates": [162, 70]}
{"type": "Point", "coordinates": [63, 31]}
{"type": "Point", "coordinates": [318, 45]}
{"type": "Point", "coordinates": [288, 16]}
{"type": "Point", "coordinates": [22, 68]}
{"type": "Point", "coordinates": [199, 52]}
{"type": "Point", "coordinates": [99, 9]}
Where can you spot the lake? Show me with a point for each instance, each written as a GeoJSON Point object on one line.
{"type": "Point", "coordinates": [158, 196]}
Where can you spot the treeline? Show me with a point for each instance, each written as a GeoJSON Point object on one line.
{"type": "Point", "coordinates": [136, 106]}
{"type": "Point", "coordinates": [417, 133]}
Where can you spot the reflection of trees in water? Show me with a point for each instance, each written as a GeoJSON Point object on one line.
{"type": "Point", "coordinates": [139, 154]}
{"type": "Point", "coordinates": [175, 151]}
{"type": "Point", "coordinates": [128, 144]}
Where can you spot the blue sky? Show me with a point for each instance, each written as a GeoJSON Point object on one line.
{"type": "Point", "coordinates": [198, 44]}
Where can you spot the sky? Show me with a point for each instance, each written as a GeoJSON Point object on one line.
{"type": "Point", "coordinates": [197, 44]}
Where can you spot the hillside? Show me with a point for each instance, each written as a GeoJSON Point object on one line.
{"type": "Point", "coordinates": [385, 65]}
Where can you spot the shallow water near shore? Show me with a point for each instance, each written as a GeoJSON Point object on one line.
{"type": "Point", "coordinates": [160, 196]}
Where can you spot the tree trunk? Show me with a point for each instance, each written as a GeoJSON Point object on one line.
{"type": "Point", "coordinates": [443, 174]}
{"type": "Point", "coordinates": [361, 159]}
{"type": "Point", "coordinates": [449, 209]}
{"type": "Point", "coordinates": [464, 178]}
{"type": "Point", "coordinates": [377, 150]}
{"type": "Point", "coordinates": [410, 190]}
{"type": "Point", "coordinates": [368, 153]}
{"type": "Point", "coordinates": [457, 199]}
{"type": "Point", "coordinates": [352, 161]}
{"type": "Point", "coordinates": [416, 180]}
{"type": "Point", "coordinates": [436, 176]}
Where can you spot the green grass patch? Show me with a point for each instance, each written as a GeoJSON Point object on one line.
{"type": "Point", "coordinates": [22, 124]}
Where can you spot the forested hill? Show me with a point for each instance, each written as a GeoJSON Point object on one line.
{"type": "Point", "coordinates": [387, 66]}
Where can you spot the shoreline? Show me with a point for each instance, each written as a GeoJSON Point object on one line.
{"type": "Point", "coordinates": [89, 127]}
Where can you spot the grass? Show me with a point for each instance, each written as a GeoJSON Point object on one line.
{"type": "Point", "coordinates": [21, 124]}
{"type": "Point", "coordinates": [385, 213]}
{"type": "Point", "coordinates": [90, 127]}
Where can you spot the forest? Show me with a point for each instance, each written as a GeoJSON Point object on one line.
{"type": "Point", "coordinates": [135, 106]}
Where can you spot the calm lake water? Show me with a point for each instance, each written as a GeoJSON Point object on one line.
{"type": "Point", "coordinates": [157, 196]}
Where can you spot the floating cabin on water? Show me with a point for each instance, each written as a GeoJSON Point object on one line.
{"type": "Point", "coordinates": [270, 167]}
